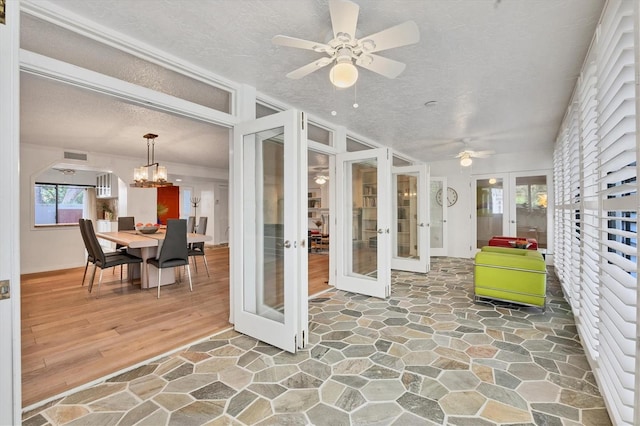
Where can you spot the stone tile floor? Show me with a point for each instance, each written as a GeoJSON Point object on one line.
{"type": "Point", "coordinates": [428, 355]}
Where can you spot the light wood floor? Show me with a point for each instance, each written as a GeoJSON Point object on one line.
{"type": "Point", "coordinates": [70, 337]}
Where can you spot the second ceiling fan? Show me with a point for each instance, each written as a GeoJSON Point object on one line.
{"type": "Point", "coordinates": [345, 51]}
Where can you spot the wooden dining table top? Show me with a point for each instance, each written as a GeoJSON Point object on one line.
{"type": "Point", "coordinates": [136, 239]}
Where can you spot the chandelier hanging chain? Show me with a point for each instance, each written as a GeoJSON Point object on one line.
{"type": "Point", "coordinates": [152, 145]}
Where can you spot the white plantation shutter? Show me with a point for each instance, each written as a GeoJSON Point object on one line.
{"type": "Point", "coordinates": [589, 290]}
{"type": "Point", "coordinates": [569, 239]}
{"type": "Point", "coordinates": [618, 198]}
{"type": "Point", "coordinates": [596, 209]}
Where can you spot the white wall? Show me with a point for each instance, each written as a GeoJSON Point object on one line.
{"type": "Point", "coordinates": [46, 249]}
{"type": "Point", "coordinates": [461, 236]}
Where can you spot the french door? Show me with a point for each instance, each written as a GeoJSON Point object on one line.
{"type": "Point", "coordinates": [410, 230]}
{"type": "Point", "coordinates": [438, 216]}
{"type": "Point", "coordinates": [269, 264]}
{"type": "Point", "coordinates": [364, 220]}
{"type": "Point", "coordinates": [512, 204]}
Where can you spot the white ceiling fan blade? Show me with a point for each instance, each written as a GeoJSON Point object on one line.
{"type": "Point", "coordinates": [399, 35]}
{"type": "Point", "coordinates": [482, 154]}
{"type": "Point", "coordinates": [344, 17]}
{"type": "Point", "coordinates": [299, 43]}
{"type": "Point", "coordinates": [309, 68]}
{"type": "Point", "coordinates": [381, 65]}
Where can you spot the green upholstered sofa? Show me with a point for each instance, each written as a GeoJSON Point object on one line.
{"type": "Point", "coordinates": [512, 275]}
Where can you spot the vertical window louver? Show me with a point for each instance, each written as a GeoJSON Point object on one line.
{"type": "Point", "coordinates": [618, 198]}
{"type": "Point", "coordinates": [596, 210]}
{"type": "Point", "coordinates": [559, 197]}
{"type": "Point", "coordinates": [589, 292]}
{"type": "Point", "coordinates": [572, 232]}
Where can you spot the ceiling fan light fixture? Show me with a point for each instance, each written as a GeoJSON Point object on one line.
{"type": "Point", "coordinates": [321, 180]}
{"type": "Point", "coordinates": [465, 160]}
{"type": "Point", "coordinates": [343, 74]}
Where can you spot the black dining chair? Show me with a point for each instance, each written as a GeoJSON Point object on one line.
{"type": "Point", "coordinates": [90, 258]}
{"type": "Point", "coordinates": [197, 249]}
{"type": "Point", "coordinates": [191, 224]}
{"type": "Point", "coordinates": [174, 251]}
{"type": "Point", "coordinates": [101, 260]}
{"type": "Point", "coordinates": [125, 223]}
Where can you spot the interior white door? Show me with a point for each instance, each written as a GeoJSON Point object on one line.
{"type": "Point", "coordinates": [364, 222]}
{"type": "Point", "coordinates": [438, 215]}
{"type": "Point", "coordinates": [270, 269]}
{"type": "Point", "coordinates": [410, 229]}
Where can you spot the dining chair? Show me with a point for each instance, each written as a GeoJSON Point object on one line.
{"type": "Point", "coordinates": [125, 223]}
{"type": "Point", "coordinates": [197, 249]}
{"type": "Point", "coordinates": [101, 260]}
{"type": "Point", "coordinates": [174, 251]}
{"type": "Point", "coordinates": [87, 246]}
{"type": "Point", "coordinates": [191, 224]}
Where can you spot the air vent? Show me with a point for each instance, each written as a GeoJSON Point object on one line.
{"type": "Point", "coordinates": [75, 156]}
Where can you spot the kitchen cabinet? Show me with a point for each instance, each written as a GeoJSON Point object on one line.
{"type": "Point", "coordinates": [106, 186]}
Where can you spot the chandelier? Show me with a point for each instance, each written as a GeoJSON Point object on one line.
{"type": "Point", "coordinates": [152, 174]}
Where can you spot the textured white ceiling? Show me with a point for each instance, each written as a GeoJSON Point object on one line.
{"type": "Point", "coordinates": [501, 72]}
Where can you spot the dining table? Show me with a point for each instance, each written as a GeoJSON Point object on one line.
{"type": "Point", "coordinates": [146, 246]}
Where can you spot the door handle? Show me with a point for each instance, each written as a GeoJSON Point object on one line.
{"type": "Point", "coordinates": [287, 244]}
{"type": "Point", "coordinates": [380, 231]}
{"type": "Point", "coordinates": [302, 243]}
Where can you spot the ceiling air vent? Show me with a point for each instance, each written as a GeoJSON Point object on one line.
{"type": "Point", "coordinates": [75, 156]}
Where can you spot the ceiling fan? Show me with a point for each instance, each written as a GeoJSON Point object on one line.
{"type": "Point", "coordinates": [466, 156]}
{"type": "Point", "coordinates": [344, 49]}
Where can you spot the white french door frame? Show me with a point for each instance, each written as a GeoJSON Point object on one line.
{"type": "Point", "coordinates": [380, 284]}
{"type": "Point", "coordinates": [421, 263]}
{"type": "Point", "coordinates": [287, 330]}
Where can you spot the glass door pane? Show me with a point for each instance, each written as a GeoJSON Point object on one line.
{"type": "Point", "coordinates": [438, 216]}
{"type": "Point", "coordinates": [406, 244]}
{"type": "Point", "coordinates": [531, 208]}
{"type": "Point", "coordinates": [365, 196]}
{"type": "Point", "coordinates": [490, 209]}
{"type": "Point", "coordinates": [266, 297]}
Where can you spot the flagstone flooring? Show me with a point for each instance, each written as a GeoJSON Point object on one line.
{"type": "Point", "coordinates": [428, 355]}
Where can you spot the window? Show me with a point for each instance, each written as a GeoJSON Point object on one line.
{"type": "Point", "coordinates": [58, 204]}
